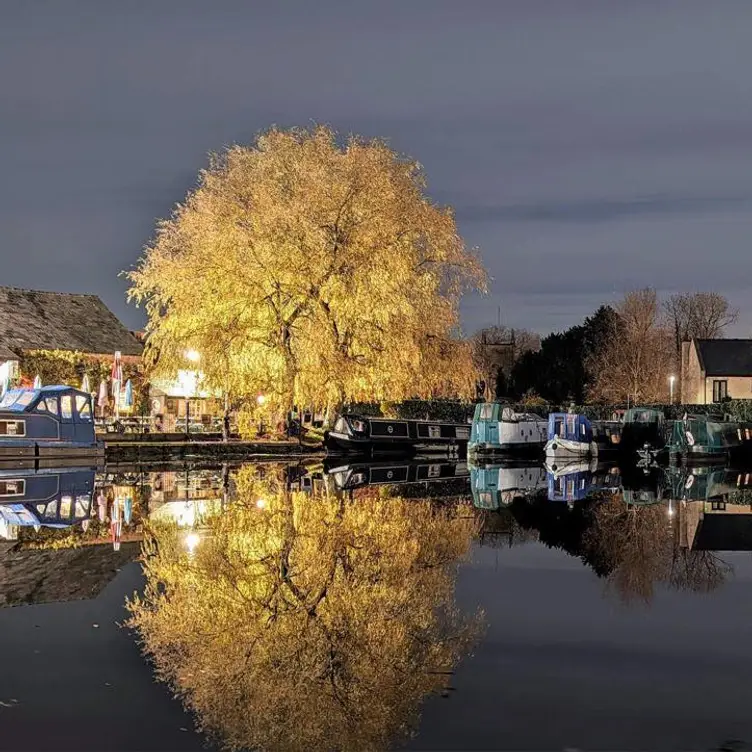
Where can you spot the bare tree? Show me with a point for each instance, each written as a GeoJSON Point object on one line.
{"type": "Point", "coordinates": [701, 315]}
{"type": "Point", "coordinates": [634, 362]}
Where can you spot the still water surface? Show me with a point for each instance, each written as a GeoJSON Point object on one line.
{"type": "Point", "coordinates": [406, 606]}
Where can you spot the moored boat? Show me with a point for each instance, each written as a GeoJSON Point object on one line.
{"type": "Point", "coordinates": [53, 421]}
{"type": "Point", "coordinates": [497, 485]}
{"type": "Point", "coordinates": [499, 429]}
{"type": "Point", "coordinates": [367, 435]}
{"type": "Point", "coordinates": [44, 498]}
{"type": "Point", "coordinates": [572, 436]}
{"type": "Point", "coordinates": [700, 439]}
{"type": "Point", "coordinates": [361, 474]}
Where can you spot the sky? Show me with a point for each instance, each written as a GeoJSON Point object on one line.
{"type": "Point", "coordinates": [588, 146]}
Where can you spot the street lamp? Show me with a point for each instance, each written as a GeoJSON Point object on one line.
{"type": "Point", "coordinates": [193, 356]}
{"type": "Point", "coordinates": [671, 380]}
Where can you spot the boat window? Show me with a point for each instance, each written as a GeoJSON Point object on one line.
{"type": "Point", "coordinates": [486, 411]}
{"type": "Point", "coordinates": [12, 428]}
{"type": "Point", "coordinates": [82, 507]}
{"type": "Point", "coordinates": [10, 488]}
{"type": "Point", "coordinates": [582, 429]}
{"type": "Point", "coordinates": [48, 405]}
{"type": "Point", "coordinates": [83, 408]}
{"type": "Point", "coordinates": [17, 399]}
{"type": "Point", "coordinates": [66, 507]}
{"type": "Point", "coordinates": [66, 406]}
{"type": "Point", "coordinates": [558, 425]}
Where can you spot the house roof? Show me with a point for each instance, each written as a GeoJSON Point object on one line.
{"type": "Point", "coordinates": [35, 320]}
{"type": "Point", "coordinates": [725, 357]}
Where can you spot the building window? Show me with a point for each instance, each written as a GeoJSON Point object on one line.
{"type": "Point", "coordinates": [720, 390]}
{"type": "Point", "coordinates": [718, 506]}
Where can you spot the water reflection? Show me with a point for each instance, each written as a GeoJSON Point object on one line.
{"type": "Point", "coordinates": [306, 623]}
{"type": "Point", "coordinates": [312, 605]}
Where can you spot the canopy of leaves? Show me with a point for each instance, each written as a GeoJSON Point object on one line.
{"type": "Point", "coordinates": [312, 271]}
{"type": "Point", "coordinates": [305, 623]}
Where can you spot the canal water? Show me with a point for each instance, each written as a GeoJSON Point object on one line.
{"type": "Point", "coordinates": [396, 605]}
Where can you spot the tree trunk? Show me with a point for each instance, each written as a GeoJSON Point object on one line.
{"type": "Point", "coordinates": [226, 419]}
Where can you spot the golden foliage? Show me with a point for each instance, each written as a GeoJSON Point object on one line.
{"type": "Point", "coordinates": [304, 623]}
{"type": "Point", "coordinates": [313, 272]}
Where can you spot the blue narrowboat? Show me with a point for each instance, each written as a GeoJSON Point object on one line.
{"type": "Point", "coordinates": [367, 435]}
{"type": "Point", "coordinates": [576, 481]}
{"type": "Point", "coordinates": [572, 436]}
{"type": "Point", "coordinates": [498, 429]}
{"type": "Point", "coordinates": [45, 498]}
{"type": "Point", "coordinates": [53, 421]}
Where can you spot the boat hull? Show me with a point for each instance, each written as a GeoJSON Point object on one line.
{"type": "Point", "coordinates": [30, 449]}
{"type": "Point", "coordinates": [567, 449]}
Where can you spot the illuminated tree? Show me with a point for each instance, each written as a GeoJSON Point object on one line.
{"type": "Point", "coordinates": [635, 360]}
{"type": "Point", "coordinates": [304, 623]}
{"type": "Point", "coordinates": [313, 271]}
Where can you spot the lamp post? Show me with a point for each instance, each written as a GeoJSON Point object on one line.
{"type": "Point", "coordinates": [260, 400]}
{"type": "Point", "coordinates": [193, 356]}
{"type": "Point", "coordinates": [671, 380]}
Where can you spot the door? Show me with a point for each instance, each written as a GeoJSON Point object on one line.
{"type": "Point", "coordinates": [67, 423]}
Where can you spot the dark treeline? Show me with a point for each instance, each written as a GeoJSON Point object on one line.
{"type": "Point", "coordinates": [560, 370]}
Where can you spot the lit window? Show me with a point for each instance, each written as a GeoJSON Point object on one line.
{"type": "Point", "coordinates": [66, 406]}
{"type": "Point", "coordinates": [83, 408]}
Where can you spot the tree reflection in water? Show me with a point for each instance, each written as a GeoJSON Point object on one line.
{"type": "Point", "coordinates": [304, 622]}
{"type": "Point", "coordinates": [640, 550]}
{"type": "Point", "coordinates": [633, 547]}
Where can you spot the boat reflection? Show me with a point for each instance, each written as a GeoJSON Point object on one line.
{"type": "Point", "coordinates": [31, 497]}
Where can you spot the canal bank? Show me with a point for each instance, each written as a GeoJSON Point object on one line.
{"type": "Point", "coordinates": [168, 447]}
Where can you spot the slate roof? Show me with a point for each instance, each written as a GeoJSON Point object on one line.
{"type": "Point", "coordinates": [35, 320]}
{"type": "Point", "coordinates": [725, 357]}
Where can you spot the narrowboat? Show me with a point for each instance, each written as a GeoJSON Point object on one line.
{"type": "Point", "coordinates": [53, 421]}
{"type": "Point", "coordinates": [361, 474]}
{"type": "Point", "coordinates": [643, 430]}
{"type": "Point", "coordinates": [701, 439]}
{"type": "Point", "coordinates": [47, 498]}
{"type": "Point", "coordinates": [496, 485]}
{"type": "Point", "coordinates": [572, 436]}
{"type": "Point", "coordinates": [576, 481]}
{"type": "Point", "coordinates": [366, 435]}
{"type": "Point", "coordinates": [498, 429]}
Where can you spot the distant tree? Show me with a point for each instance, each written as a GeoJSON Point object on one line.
{"type": "Point", "coordinates": [635, 361]}
{"type": "Point", "coordinates": [559, 371]}
{"type": "Point", "coordinates": [313, 271]}
{"type": "Point", "coordinates": [701, 315]}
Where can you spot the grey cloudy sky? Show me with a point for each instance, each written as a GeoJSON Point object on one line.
{"type": "Point", "coordinates": [588, 146]}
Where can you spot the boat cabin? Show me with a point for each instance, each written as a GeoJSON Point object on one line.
{"type": "Point", "coordinates": [499, 428]}
{"type": "Point", "coordinates": [643, 426]}
{"type": "Point", "coordinates": [49, 416]}
{"type": "Point", "coordinates": [569, 426]}
{"type": "Point", "coordinates": [701, 437]}
{"type": "Point", "coordinates": [55, 498]}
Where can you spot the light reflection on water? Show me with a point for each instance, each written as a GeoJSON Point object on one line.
{"type": "Point", "coordinates": [316, 606]}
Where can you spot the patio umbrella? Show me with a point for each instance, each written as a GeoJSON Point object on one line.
{"type": "Point", "coordinates": [128, 399]}
{"type": "Point", "coordinates": [85, 385]}
{"type": "Point", "coordinates": [4, 384]}
{"type": "Point", "coordinates": [37, 382]}
{"type": "Point", "coordinates": [117, 380]}
{"type": "Point", "coordinates": [102, 399]}
{"type": "Point", "coordinates": [102, 507]}
{"type": "Point", "coordinates": [127, 510]}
